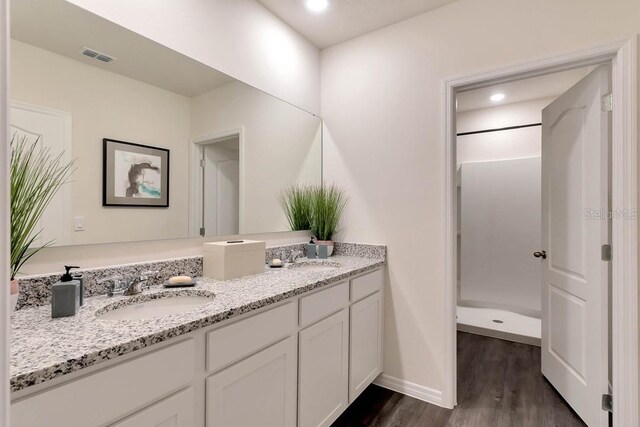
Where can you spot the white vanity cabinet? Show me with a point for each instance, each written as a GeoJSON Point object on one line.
{"type": "Point", "coordinates": [366, 331]}
{"type": "Point", "coordinates": [107, 395]}
{"type": "Point", "coordinates": [258, 391]}
{"type": "Point", "coordinates": [324, 370]}
{"type": "Point", "coordinates": [298, 362]}
{"type": "Point", "coordinates": [340, 355]}
{"type": "Point", "coordinates": [174, 411]}
{"type": "Point", "coordinates": [366, 344]}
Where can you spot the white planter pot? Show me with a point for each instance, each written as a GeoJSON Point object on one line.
{"type": "Point", "coordinates": [327, 243]}
{"type": "Point", "coordinates": [14, 293]}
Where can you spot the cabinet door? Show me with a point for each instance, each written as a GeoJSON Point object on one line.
{"type": "Point", "coordinates": [324, 364]}
{"type": "Point", "coordinates": [258, 391]}
{"type": "Point", "coordinates": [366, 344]}
{"type": "Point", "coordinates": [174, 411]}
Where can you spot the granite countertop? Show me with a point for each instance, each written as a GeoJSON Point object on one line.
{"type": "Point", "coordinates": [43, 348]}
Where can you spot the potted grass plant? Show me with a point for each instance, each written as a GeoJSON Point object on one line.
{"type": "Point", "coordinates": [296, 203]}
{"type": "Point", "coordinates": [36, 175]}
{"type": "Point", "coordinates": [328, 203]}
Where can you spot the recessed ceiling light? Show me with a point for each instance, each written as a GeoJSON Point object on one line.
{"type": "Point", "coordinates": [497, 97]}
{"type": "Point", "coordinates": [317, 5]}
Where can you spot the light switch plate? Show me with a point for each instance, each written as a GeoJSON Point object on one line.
{"type": "Point", "coordinates": [78, 223]}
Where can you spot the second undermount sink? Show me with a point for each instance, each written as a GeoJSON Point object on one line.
{"type": "Point", "coordinates": [314, 265]}
{"type": "Point", "coordinates": [150, 306]}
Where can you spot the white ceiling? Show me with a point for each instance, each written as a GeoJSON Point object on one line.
{"type": "Point", "coordinates": [63, 28]}
{"type": "Point", "coordinates": [346, 19]}
{"type": "Point", "coordinates": [550, 85]}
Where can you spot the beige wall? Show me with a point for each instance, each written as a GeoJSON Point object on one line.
{"type": "Point", "coordinates": [107, 105]}
{"type": "Point", "coordinates": [382, 106]}
{"type": "Point", "coordinates": [238, 37]}
{"type": "Point", "coordinates": [282, 146]}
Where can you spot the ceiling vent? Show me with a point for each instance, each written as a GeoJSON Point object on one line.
{"type": "Point", "coordinates": [99, 56]}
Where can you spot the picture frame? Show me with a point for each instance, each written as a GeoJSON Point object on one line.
{"type": "Point", "coordinates": [134, 175]}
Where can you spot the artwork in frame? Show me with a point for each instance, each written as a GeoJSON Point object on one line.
{"type": "Point", "coordinates": [134, 174]}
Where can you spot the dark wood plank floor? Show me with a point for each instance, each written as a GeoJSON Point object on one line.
{"type": "Point", "coordinates": [499, 384]}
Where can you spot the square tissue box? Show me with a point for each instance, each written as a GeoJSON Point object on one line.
{"type": "Point", "coordinates": [233, 259]}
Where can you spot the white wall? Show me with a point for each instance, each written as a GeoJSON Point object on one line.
{"type": "Point", "coordinates": [104, 104]}
{"type": "Point", "coordinates": [382, 105]}
{"type": "Point", "coordinates": [499, 116]}
{"type": "Point", "coordinates": [238, 37]}
{"type": "Point", "coordinates": [282, 146]}
{"type": "Point", "coordinates": [510, 144]}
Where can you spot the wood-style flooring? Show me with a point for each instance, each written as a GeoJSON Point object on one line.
{"type": "Point", "coordinates": [499, 384]}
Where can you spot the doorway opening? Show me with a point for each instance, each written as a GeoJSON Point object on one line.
{"type": "Point", "coordinates": [498, 157]}
{"type": "Point", "coordinates": [501, 255]}
{"type": "Point", "coordinates": [216, 208]}
{"type": "Point", "coordinates": [623, 232]}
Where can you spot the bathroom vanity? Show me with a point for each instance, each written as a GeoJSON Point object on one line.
{"type": "Point", "coordinates": [286, 347]}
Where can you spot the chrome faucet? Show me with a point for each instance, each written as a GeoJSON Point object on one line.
{"type": "Point", "coordinates": [295, 255]}
{"type": "Point", "coordinates": [127, 286]}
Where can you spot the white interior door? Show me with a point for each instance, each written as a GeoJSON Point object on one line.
{"type": "Point", "coordinates": [575, 279]}
{"type": "Point", "coordinates": [228, 196]}
{"type": "Point", "coordinates": [52, 129]}
{"type": "Point", "coordinates": [221, 188]}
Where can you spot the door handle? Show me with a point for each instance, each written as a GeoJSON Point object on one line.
{"type": "Point", "coordinates": [541, 254]}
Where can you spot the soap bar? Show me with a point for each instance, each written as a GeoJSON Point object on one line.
{"type": "Point", "coordinates": [179, 280]}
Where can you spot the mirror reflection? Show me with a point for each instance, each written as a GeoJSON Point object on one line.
{"type": "Point", "coordinates": [164, 146]}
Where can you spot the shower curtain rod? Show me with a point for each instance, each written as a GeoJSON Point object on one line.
{"type": "Point", "coordinates": [499, 129]}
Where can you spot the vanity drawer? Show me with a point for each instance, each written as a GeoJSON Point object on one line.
{"type": "Point", "coordinates": [231, 343]}
{"type": "Point", "coordinates": [324, 303]}
{"type": "Point", "coordinates": [366, 285]}
{"type": "Point", "coordinates": [106, 395]}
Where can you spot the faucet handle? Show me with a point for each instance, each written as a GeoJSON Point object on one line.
{"type": "Point", "coordinates": [150, 273]}
{"type": "Point", "coordinates": [115, 286]}
{"type": "Point", "coordinates": [295, 254]}
{"type": "Point", "coordinates": [112, 279]}
{"type": "Point", "coordinates": [144, 277]}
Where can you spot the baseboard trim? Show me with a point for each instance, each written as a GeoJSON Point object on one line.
{"type": "Point", "coordinates": [418, 391]}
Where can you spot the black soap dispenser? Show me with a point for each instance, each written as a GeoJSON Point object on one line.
{"type": "Point", "coordinates": [65, 295]}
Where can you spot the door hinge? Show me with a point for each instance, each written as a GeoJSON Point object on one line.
{"type": "Point", "coordinates": [201, 163]}
{"type": "Point", "coordinates": [607, 403]}
{"type": "Point", "coordinates": [606, 252]}
{"type": "Point", "coordinates": [606, 103]}
{"type": "Point", "coordinates": [202, 231]}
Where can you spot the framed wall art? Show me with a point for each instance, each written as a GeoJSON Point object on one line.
{"type": "Point", "coordinates": [134, 174]}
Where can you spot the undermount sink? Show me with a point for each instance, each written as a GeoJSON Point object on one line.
{"type": "Point", "coordinates": [150, 306]}
{"type": "Point", "coordinates": [314, 265]}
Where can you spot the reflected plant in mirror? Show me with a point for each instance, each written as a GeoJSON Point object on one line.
{"type": "Point", "coordinates": [297, 202]}
{"type": "Point", "coordinates": [36, 175]}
